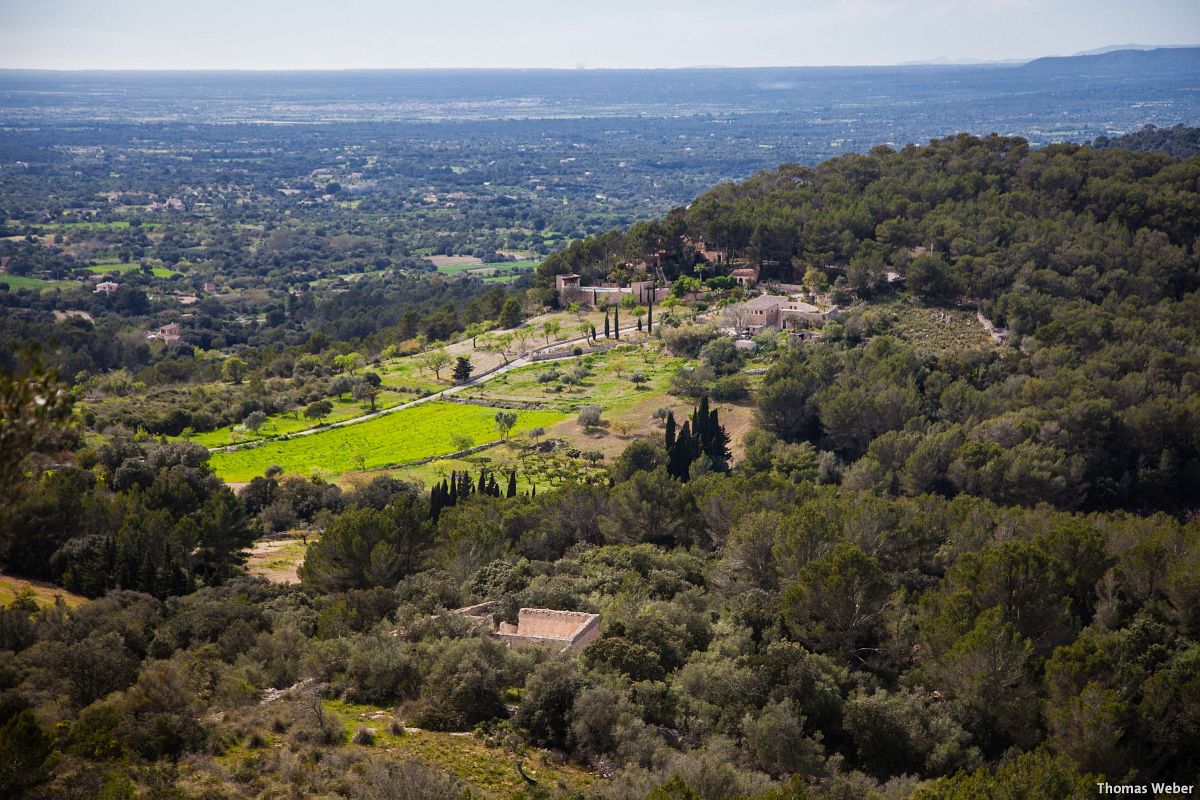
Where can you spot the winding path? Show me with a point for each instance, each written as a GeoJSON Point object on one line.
{"type": "Point", "coordinates": [480, 379]}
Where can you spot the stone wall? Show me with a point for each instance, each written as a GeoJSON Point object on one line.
{"type": "Point", "coordinates": [549, 623]}
{"type": "Point", "coordinates": [569, 630]}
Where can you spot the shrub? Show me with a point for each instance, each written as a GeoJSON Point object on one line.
{"type": "Point", "coordinates": [730, 388]}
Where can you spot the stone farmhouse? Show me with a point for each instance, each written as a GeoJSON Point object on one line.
{"type": "Point", "coordinates": [169, 334]}
{"type": "Point", "coordinates": [777, 312]}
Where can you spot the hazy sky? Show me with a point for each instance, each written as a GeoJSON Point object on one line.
{"type": "Point", "coordinates": [305, 34]}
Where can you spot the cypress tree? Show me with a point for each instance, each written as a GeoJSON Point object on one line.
{"type": "Point", "coordinates": [717, 448]}
{"type": "Point", "coordinates": [650, 314]}
{"type": "Point", "coordinates": [701, 427]}
{"type": "Point", "coordinates": [681, 455]}
{"type": "Point", "coordinates": [616, 322]}
{"type": "Point", "coordinates": [482, 481]}
{"type": "Point", "coordinates": [606, 328]}
{"type": "Point", "coordinates": [512, 476]}
{"type": "Point", "coordinates": [670, 431]}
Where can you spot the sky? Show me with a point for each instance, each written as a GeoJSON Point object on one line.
{"type": "Point", "coordinates": [380, 34]}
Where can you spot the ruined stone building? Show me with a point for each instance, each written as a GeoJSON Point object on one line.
{"type": "Point", "coordinates": [562, 630]}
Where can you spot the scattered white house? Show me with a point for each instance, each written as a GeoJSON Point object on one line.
{"type": "Point", "coordinates": [105, 287]}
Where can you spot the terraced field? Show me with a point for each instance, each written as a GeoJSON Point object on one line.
{"type": "Point", "coordinates": [409, 435]}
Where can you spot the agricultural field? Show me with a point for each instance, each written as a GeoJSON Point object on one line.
{"type": "Point", "coordinates": [420, 432]}
{"type": "Point", "coordinates": [23, 282]}
{"type": "Point", "coordinates": [603, 379]}
{"type": "Point", "coordinates": [113, 225]}
{"type": "Point", "coordinates": [409, 374]}
{"type": "Point", "coordinates": [459, 265]}
{"type": "Point", "coordinates": [122, 268]}
{"type": "Point", "coordinates": [344, 408]}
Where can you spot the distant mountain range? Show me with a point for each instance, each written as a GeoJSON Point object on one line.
{"type": "Point", "coordinates": [1171, 55]}
{"type": "Point", "coordinates": [1167, 59]}
{"type": "Point", "coordinates": [1115, 47]}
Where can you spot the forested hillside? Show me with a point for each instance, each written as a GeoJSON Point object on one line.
{"type": "Point", "coordinates": [955, 572]}
{"type": "Point", "coordinates": [1087, 258]}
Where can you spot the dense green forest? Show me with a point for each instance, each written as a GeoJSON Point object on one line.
{"type": "Point", "coordinates": [1180, 141]}
{"type": "Point", "coordinates": [959, 575]}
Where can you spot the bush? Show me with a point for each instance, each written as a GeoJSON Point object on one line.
{"type": "Point", "coordinates": [687, 340]}
{"type": "Point", "coordinates": [731, 388]}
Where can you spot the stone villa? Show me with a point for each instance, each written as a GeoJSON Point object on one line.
{"type": "Point", "coordinates": [776, 311]}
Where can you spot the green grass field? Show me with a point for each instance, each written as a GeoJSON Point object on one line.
{"type": "Point", "coordinates": [457, 269]}
{"type": "Point", "coordinates": [407, 372]}
{"type": "Point", "coordinates": [408, 435]}
{"type": "Point", "coordinates": [115, 225]}
{"type": "Point", "coordinates": [22, 282]}
{"type": "Point", "coordinates": [280, 424]}
{"type": "Point", "coordinates": [104, 269]}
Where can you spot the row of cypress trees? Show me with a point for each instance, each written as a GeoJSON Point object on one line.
{"type": "Point", "coordinates": [461, 486]}
{"type": "Point", "coordinates": [702, 435]}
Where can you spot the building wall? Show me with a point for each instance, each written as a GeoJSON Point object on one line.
{"type": "Point", "coordinates": [601, 296]}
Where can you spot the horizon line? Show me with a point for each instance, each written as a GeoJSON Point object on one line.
{"type": "Point", "coordinates": [933, 62]}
